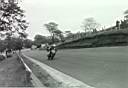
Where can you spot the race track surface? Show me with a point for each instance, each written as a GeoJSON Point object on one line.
{"type": "Point", "coordinates": [99, 67]}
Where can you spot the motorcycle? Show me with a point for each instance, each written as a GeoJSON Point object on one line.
{"type": "Point", "coordinates": [52, 54]}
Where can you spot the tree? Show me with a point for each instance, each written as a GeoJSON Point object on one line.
{"type": "Point", "coordinates": [68, 35]}
{"type": "Point", "coordinates": [17, 43]}
{"type": "Point", "coordinates": [59, 35]}
{"type": "Point", "coordinates": [28, 43]}
{"type": "Point", "coordinates": [14, 43]}
{"type": "Point", "coordinates": [52, 27]}
{"type": "Point", "coordinates": [2, 46]}
{"type": "Point", "coordinates": [22, 35]}
{"type": "Point", "coordinates": [90, 25]}
{"type": "Point", "coordinates": [12, 21]}
{"type": "Point", "coordinates": [39, 39]}
{"type": "Point", "coordinates": [126, 14]}
{"type": "Point", "coordinates": [124, 23]}
{"type": "Point", "coordinates": [12, 17]}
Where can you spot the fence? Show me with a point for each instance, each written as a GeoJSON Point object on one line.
{"type": "Point", "coordinates": [30, 77]}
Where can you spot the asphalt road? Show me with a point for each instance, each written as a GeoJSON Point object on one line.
{"type": "Point", "coordinates": [99, 67]}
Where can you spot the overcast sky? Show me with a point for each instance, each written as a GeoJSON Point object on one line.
{"type": "Point", "coordinates": [69, 14]}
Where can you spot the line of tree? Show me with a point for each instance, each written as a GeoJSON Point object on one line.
{"type": "Point", "coordinates": [40, 39]}
{"type": "Point", "coordinates": [15, 43]}
{"type": "Point", "coordinates": [89, 25]}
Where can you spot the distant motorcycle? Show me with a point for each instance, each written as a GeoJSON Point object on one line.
{"type": "Point", "coordinates": [52, 54]}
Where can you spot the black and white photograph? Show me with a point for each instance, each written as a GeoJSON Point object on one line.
{"type": "Point", "coordinates": [64, 43]}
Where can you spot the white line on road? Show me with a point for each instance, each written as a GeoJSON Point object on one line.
{"type": "Point", "coordinates": [66, 80]}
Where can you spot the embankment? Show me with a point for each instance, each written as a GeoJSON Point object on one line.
{"type": "Point", "coordinates": [101, 39]}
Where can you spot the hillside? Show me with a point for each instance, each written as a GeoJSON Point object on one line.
{"type": "Point", "coordinates": [104, 38]}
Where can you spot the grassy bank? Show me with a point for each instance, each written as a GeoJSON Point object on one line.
{"type": "Point", "coordinates": [106, 38]}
